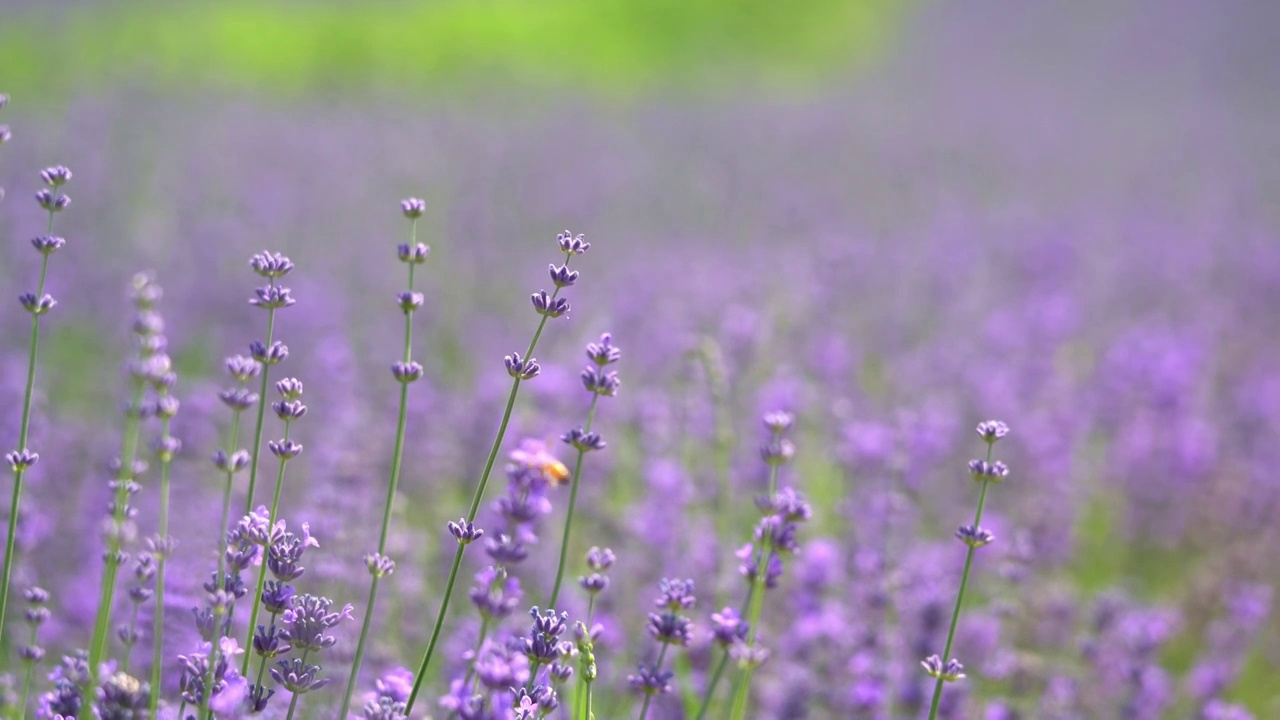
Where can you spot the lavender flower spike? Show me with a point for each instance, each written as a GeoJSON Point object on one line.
{"type": "Point", "coordinates": [37, 303]}
{"type": "Point", "coordinates": [405, 370]}
{"type": "Point", "coordinates": [974, 536]}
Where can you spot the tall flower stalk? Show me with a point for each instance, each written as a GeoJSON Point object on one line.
{"type": "Point", "coordinates": [165, 447]}
{"type": "Point", "coordinates": [32, 653]}
{"type": "Point", "coordinates": [520, 368]}
{"type": "Point", "coordinates": [37, 304]}
{"type": "Point", "coordinates": [288, 408]}
{"type": "Point", "coordinates": [600, 384]}
{"type": "Point", "coordinates": [270, 297]}
{"type": "Point", "coordinates": [405, 372]}
{"type": "Point", "coordinates": [774, 537]}
{"type": "Point", "coordinates": [151, 365]}
{"type": "Point", "coordinates": [973, 536]}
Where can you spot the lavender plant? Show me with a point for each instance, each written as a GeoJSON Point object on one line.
{"type": "Point", "coordinates": [38, 304]}
{"type": "Point", "coordinates": [520, 368]}
{"type": "Point", "coordinates": [405, 371]}
{"type": "Point", "coordinates": [973, 536]}
{"type": "Point", "coordinates": [161, 546]}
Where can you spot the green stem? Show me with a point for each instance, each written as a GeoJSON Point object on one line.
{"type": "Point", "coordinates": [589, 715]}
{"type": "Point", "coordinates": [26, 680]}
{"type": "Point", "coordinates": [128, 452]}
{"type": "Point", "coordinates": [262, 411]}
{"type": "Point", "coordinates": [157, 619]}
{"type": "Point", "coordinates": [573, 502]}
{"type": "Point", "coordinates": [657, 667]}
{"type": "Point", "coordinates": [24, 428]}
{"type": "Point", "coordinates": [216, 650]}
{"type": "Point", "coordinates": [471, 516]}
{"type": "Point", "coordinates": [397, 456]}
{"type": "Point", "coordinates": [256, 604]}
{"type": "Point", "coordinates": [955, 613]}
{"type": "Point", "coordinates": [711, 685]}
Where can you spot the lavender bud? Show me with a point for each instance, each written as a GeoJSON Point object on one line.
{"type": "Point", "coordinates": [604, 352]}
{"type": "Point", "coordinates": [50, 202]}
{"type": "Point", "coordinates": [950, 672]}
{"type": "Point", "coordinates": [271, 264]}
{"type": "Point", "coordinates": [582, 440]}
{"type": "Point", "coordinates": [5, 135]}
{"type": "Point", "coordinates": [166, 406]}
{"type": "Point", "coordinates": [465, 532]}
{"type": "Point", "coordinates": [594, 584]}
{"type": "Point", "coordinates": [598, 381]}
{"type": "Point", "coordinates": [409, 301]}
{"type": "Point", "coordinates": [36, 615]}
{"type": "Point", "coordinates": [289, 409]}
{"type": "Point", "coordinates": [778, 422]}
{"type": "Point", "coordinates": [238, 461]}
{"type": "Point", "coordinates": [37, 306]}
{"type": "Point", "coordinates": [521, 369]}
{"type": "Point", "coordinates": [241, 368]}
{"type": "Point", "coordinates": [268, 355]}
{"type": "Point", "coordinates": [562, 276]}
{"type": "Point", "coordinates": [650, 680]}
{"type": "Point", "coordinates": [20, 460]}
{"type": "Point", "coordinates": [571, 244]}
{"type": "Point", "coordinates": [36, 595]}
{"type": "Point", "coordinates": [675, 594]}
{"type": "Point", "coordinates": [974, 536]}
{"type": "Point", "coordinates": [47, 244]}
{"type": "Point", "coordinates": [277, 596]}
{"type": "Point", "coordinates": [777, 451]}
{"type": "Point", "coordinates": [285, 449]}
{"type": "Point", "coordinates": [748, 656]}
{"type": "Point", "coordinates": [238, 399]}
{"type": "Point", "coordinates": [31, 653]}
{"type": "Point", "coordinates": [544, 304]}
{"type": "Point", "coordinates": [413, 207]}
{"type": "Point", "coordinates": [983, 471]}
{"type": "Point", "coordinates": [728, 628]}
{"type": "Point", "coordinates": [992, 430]}
{"type": "Point", "coordinates": [406, 372]}
{"type": "Point", "coordinates": [600, 560]}
{"type": "Point", "coordinates": [55, 176]}
{"type": "Point", "coordinates": [379, 565]}
{"type": "Point", "coordinates": [272, 297]}
{"type": "Point", "coordinates": [413, 254]}
{"type": "Point", "coordinates": [289, 388]}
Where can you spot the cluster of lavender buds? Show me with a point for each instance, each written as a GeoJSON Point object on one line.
{"type": "Point", "coordinates": [974, 536]}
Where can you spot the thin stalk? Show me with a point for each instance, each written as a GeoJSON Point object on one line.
{"type": "Point", "coordinates": [964, 582]}
{"type": "Point", "coordinates": [711, 686]}
{"type": "Point", "coordinates": [262, 410]}
{"type": "Point", "coordinates": [743, 687]}
{"type": "Point", "coordinates": [206, 696]}
{"type": "Point", "coordinates": [128, 648]}
{"type": "Point", "coordinates": [26, 680]}
{"type": "Point", "coordinates": [397, 456]}
{"type": "Point", "coordinates": [573, 502]}
{"type": "Point", "coordinates": [589, 715]}
{"type": "Point", "coordinates": [128, 452]}
{"type": "Point", "coordinates": [216, 650]}
{"type": "Point", "coordinates": [23, 429]}
{"type": "Point", "coordinates": [657, 667]}
{"type": "Point", "coordinates": [262, 569]}
{"type": "Point", "coordinates": [471, 516]}
{"type": "Point", "coordinates": [157, 619]}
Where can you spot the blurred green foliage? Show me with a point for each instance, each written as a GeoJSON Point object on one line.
{"type": "Point", "coordinates": [298, 46]}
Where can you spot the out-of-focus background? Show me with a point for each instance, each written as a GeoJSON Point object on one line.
{"type": "Point", "coordinates": [893, 218]}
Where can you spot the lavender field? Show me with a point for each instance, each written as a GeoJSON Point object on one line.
{"type": "Point", "coordinates": [916, 363]}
